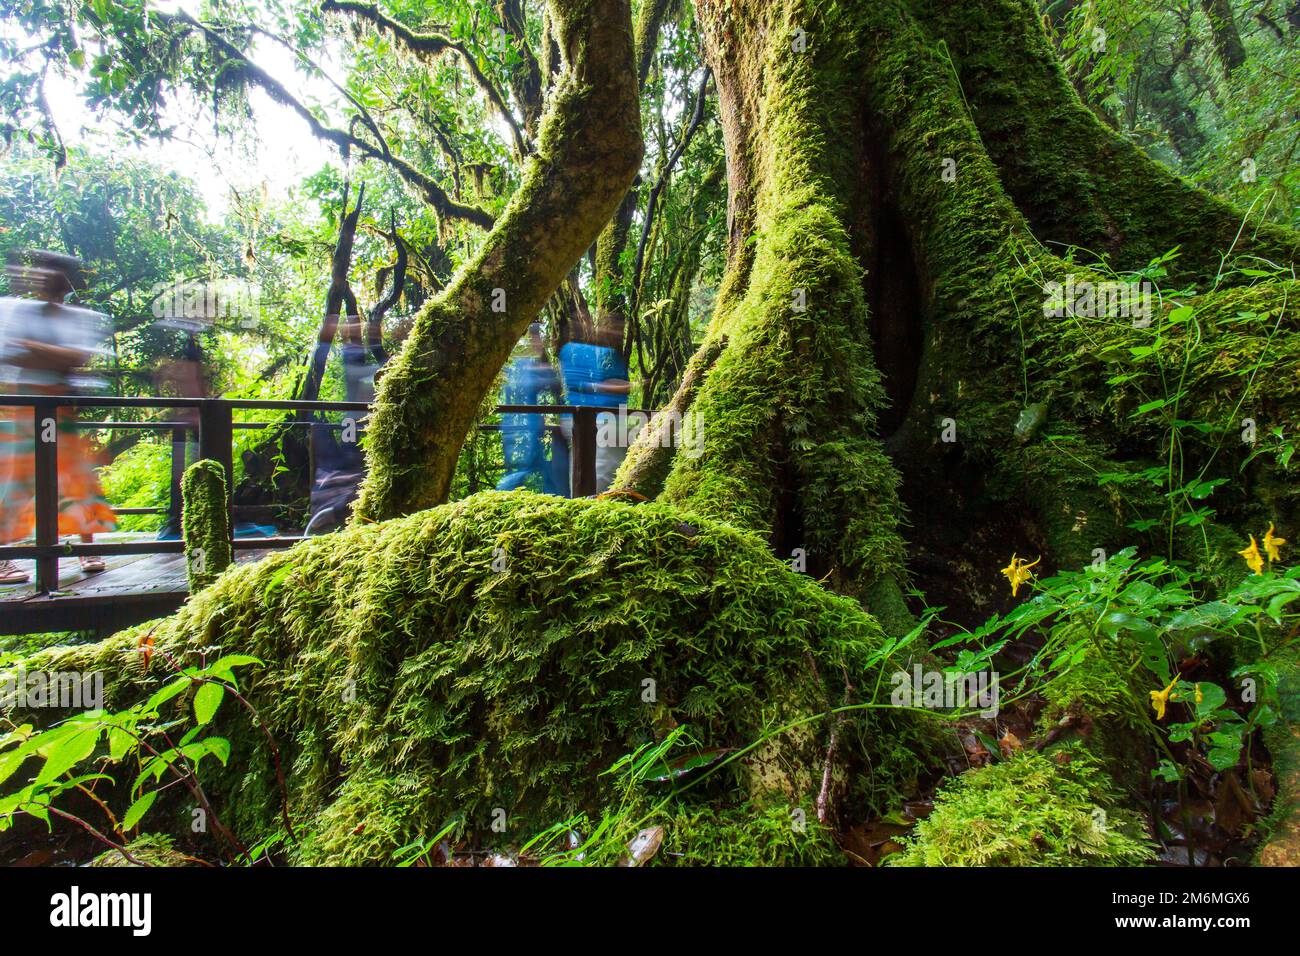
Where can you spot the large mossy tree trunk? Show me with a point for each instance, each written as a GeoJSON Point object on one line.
{"type": "Point", "coordinates": [900, 172]}
{"type": "Point", "coordinates": [904, 180]}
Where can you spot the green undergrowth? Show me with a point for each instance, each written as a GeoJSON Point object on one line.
{"type": "Point", "coordinates": [749, 834]}
{"type": "Point", "coordinates": [1034, 809]}
{"type": "Point", "coordinates": [478, 665]}
{"type": "Point", "coordinates": [150, 849]}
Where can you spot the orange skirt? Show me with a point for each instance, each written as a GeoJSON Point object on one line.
{"type": "Point", "coordinates": [82, 508]}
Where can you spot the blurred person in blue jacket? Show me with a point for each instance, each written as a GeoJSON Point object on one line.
{"type": "Point", "coordinates": [528, 378]}
{"type": "Point", "coordinates": [596, 375]}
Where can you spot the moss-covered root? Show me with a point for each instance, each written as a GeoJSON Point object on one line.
{"type": "Point", "coordinates": [488, 660]}
{"type": "Point", "coordinates": [205, 523]}
{"type": "Point", "coordinates": [648, 460]}
{"type": "Point", "coordinates": [1034, 809]}
{"type": "Point", "coordinates": [1282, 846]}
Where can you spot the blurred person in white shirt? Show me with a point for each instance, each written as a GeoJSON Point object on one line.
{"type": "Point", "coordinates": [44, 346]}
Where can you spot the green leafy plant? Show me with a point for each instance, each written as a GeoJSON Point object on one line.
{"type": "Point", "coordinates": [168, 748]}
{"type": "Point", "coordinates": [1140, 619]}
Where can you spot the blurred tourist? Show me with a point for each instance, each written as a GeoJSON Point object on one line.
{"type": "Point", "coordinates": [43, 344]}
{"type": "Point", "coordinates": [338, 464]}
{"type": "Point", "coordinates": [596, 375]}
{"type": "Point", "coordinates": [528, 378]}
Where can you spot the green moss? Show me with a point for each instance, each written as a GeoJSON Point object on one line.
{"type": "Point", "coordinates": [761, 833]}
{"type": "Point", "coordinates": [368, 821]}
{"type": "Point", "coordinates": [497, 654]}
{"type": "Point", "coordinates": [789, 408]}
{"type": "Point", "coordinates": [205, 523]}
{"type": "Point", "coordinates": [151, 849]}
{"type": "Point", "coordinates": [1034, 809]}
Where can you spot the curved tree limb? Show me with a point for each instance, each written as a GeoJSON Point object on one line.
{"type": "Point", "coordinates": [588, 151]}
{"type": "Point", "coordinates": [608, 278]}
{"type": "Point", "coordinates": [430, 46]}
{"type": "Point", "coordinates": [526, 77]}
{"type": "Point", "coordinates": [430, 191]}
{"type": "Point", "coordinates": [337, 298]}
{"type": "Point", "coordinates": [375, 320]}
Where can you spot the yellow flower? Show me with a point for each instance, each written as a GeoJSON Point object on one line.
{"type": "Point", "coordinates": [1254, 560]}
{"type": "Point", "coordinates": [1272, 544]}
{"type": "Point", "coordinates": [1017, 572]}
{"type": "Point", "coordinates": [1160, 698]}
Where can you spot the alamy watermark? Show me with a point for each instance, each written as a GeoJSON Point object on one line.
{"type": "Point", "coordinates": [208, 301]}
{"type": "Point", "coordinates": [672, 430]}
{"type": "Point", "coordinates": [66, 690]}
{"type": "Point", "coordinates": [946, 690]}
{"type": "Point", "coordinates": [1087, 299]}
{"type": "Point", "coordinates": [74, 908]}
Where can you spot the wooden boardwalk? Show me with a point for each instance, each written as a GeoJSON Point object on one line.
{"type": "Point", "coordinates": [144, 578]}
{"type": "Point", "coordinates": [133, 588]}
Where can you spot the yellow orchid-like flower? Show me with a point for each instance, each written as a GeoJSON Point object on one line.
{"type": "Point", "coordinates": [1272, 544]}
{"type": "Point", "coordinates": [1160, 698]}
{"type": "Point", "coordinates": [1254, 560]}
{"type": "Point", "coordinates": [1018, 572]}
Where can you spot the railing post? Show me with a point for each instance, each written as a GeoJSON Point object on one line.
{"type": "Point", "coordinates": [45, 415]}
{"type": "Point", "coordinates": [179, 436]}
{"type": "Point", "coordinates": [216, 438]}
{"type": "Point", "coordinates": [583, 468]}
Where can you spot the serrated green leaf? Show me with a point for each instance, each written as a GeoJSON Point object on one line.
{"type": "Point", "coordinates": [67, 754]}
{"type": "Point", "coordinates": [138, 810]}
{"type": "Point", "coordinates": [206, 701]}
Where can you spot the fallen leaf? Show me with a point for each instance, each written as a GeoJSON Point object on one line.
{"type": "Point", "coordinates": [871, 842]}
{"type": "Point", "coordinates": [1009, 744]}
{"type": "Point", "coordinates": [146, 649]}
{"type": "Point", "coordinates": [1232, 805]}
{"type": "Point", "coordinates": [976, 753]}
{"type": "Point", "coordinates": [1263, 781]}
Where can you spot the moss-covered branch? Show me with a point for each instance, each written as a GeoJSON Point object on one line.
{"type": "Point", "coordinates": [588, 152]}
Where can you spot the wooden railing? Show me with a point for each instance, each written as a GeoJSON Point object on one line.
{"type": "Point", "coordinates": [216, 426]}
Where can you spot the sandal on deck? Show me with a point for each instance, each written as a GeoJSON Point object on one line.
{"type": "Point", "coordinates": [10, 573]}
{"type": "Point", "coordinates": [92, 564]}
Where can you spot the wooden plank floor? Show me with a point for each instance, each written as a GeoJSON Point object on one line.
{"type": "Point", "coordinates": [153, 583]}
{"type": "Point", "coordinates": [125, 574]}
